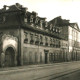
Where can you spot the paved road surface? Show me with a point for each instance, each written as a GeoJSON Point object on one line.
{"type": "Point", "coordinates": [72, 76]}
{"type": "Point", "coordinates": [42, 72]}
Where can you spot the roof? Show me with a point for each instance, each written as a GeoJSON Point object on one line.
{"type": "Point", "coordinates": [75, 26]}
{"type": "Point", "coordinates": [58, 21]}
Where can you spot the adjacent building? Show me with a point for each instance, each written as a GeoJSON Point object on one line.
{"type": "Point", "coordinates": [71, 33]}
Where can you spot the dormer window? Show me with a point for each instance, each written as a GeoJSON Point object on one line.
{"type": "Point", "coordinates": [41, 24]}
{"type": "Point", "coordinates": [50, 27]}
{"type": "Point", "coordinates": [31, 18]}
{"type": "Point", "coordinates": [25, 19]}
{"type": "Point", "coordinates": [46, 24]}
{"type": "Point", "coordinates": [53, 29]}
{"type": "Point", "coordinates": [36, 20]}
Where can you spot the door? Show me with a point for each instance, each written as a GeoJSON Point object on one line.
{"type": "Point", "coordinates": [46, 56]}
{"type": "Point", "coordinates": [9, 57]}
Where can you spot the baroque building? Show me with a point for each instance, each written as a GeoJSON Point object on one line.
{"type": "Point", "coordinates": [27, 38]}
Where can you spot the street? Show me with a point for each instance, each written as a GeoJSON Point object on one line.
{"type": "Point", "coordinates": [72, 76]}
{"type": "Point", "coordinates": [43, 72]}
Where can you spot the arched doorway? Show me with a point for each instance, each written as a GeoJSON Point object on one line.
{"type": "Point", "coordinates": [9, 57]}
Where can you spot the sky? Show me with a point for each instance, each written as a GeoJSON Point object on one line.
{"type": "Point", "coordinates": [68, 9]}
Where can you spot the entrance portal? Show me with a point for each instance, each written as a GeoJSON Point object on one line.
{"type": "Point", "coordinates": [46, 56]}
{"type": "Point", "coordinates": [9, 57]}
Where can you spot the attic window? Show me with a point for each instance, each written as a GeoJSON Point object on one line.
{"type": "Point", "coordinates": [7, 8]}
{"type": "Point", "coordinates": [25, 19]}
{"type": "Point", "coordinates": [2, 19]}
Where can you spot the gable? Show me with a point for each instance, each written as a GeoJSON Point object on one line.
{"type": "Point", "coordinates": [74, 25]}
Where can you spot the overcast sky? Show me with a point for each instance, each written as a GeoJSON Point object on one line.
{"type": "Point", "coordinates": [68, 9]}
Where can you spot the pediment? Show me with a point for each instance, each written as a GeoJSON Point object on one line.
{"type": "Point", "coordinates": [74, 25]}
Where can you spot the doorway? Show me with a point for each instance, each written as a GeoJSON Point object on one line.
{"type": "Point", "coordinates": [9, 57]}
{"type": "Point", "coordinates": [46, 56]}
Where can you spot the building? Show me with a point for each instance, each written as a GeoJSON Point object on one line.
{"type": "Point", "coordinates": [71, 33]}
{"type": "Point", "coordinates": [27, 38]}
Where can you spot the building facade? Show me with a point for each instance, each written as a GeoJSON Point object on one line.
{"type": "Point", "coordinates": [71, 33]}
{"type": "Point", "coordinates": [27, 38]}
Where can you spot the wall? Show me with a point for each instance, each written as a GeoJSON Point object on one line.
{"type": "Point", "coordinates": [9, 38]}
{"type": "Point", "coordinates": [35, 53]}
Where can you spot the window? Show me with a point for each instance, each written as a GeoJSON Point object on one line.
{"type": "Point", "coordinates": [31, 37]}
{"type": "Point", "coordinates": [51, 27]}
{"type": "Point", "coordinates": [70, 43]}
{"type": "Point", "coordinates": [51, 57]}
{"type": "Point", "coordinates": [26, 37]}
{"type": "Point", "coordinates": [46, 24]}
{"type": "Point", "coordinates": [36, 20]}
{"type": "Point", "coordinates": [46, 41]}
{"type": "Point", "coordinates": [36, 39]}
{"type": "Point", "coordinates": [31, 18]}
{"type": "Point", "coordinates": [51, 42]}
{"type": "Point", "coordinates": [41, 40]}
{"type": "Point", "coordinates": [40, 57]}
{"type": "Point", "coordinates": [30, 57]}
{"type": "Point", "coordinates": [25, 19]}
{"type": "Point", "coordinates": [36, 57]}
{"type": "Point", "coordinates": [41, 24]}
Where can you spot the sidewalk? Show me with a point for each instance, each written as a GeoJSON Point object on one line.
{"type": "Point", "coordinates": [38, 66]}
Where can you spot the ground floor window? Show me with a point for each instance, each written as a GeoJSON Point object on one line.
{"type": "Point", "coordinates": [40, 57]}
{"type": "Point", "coordinates": [36, 57]}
